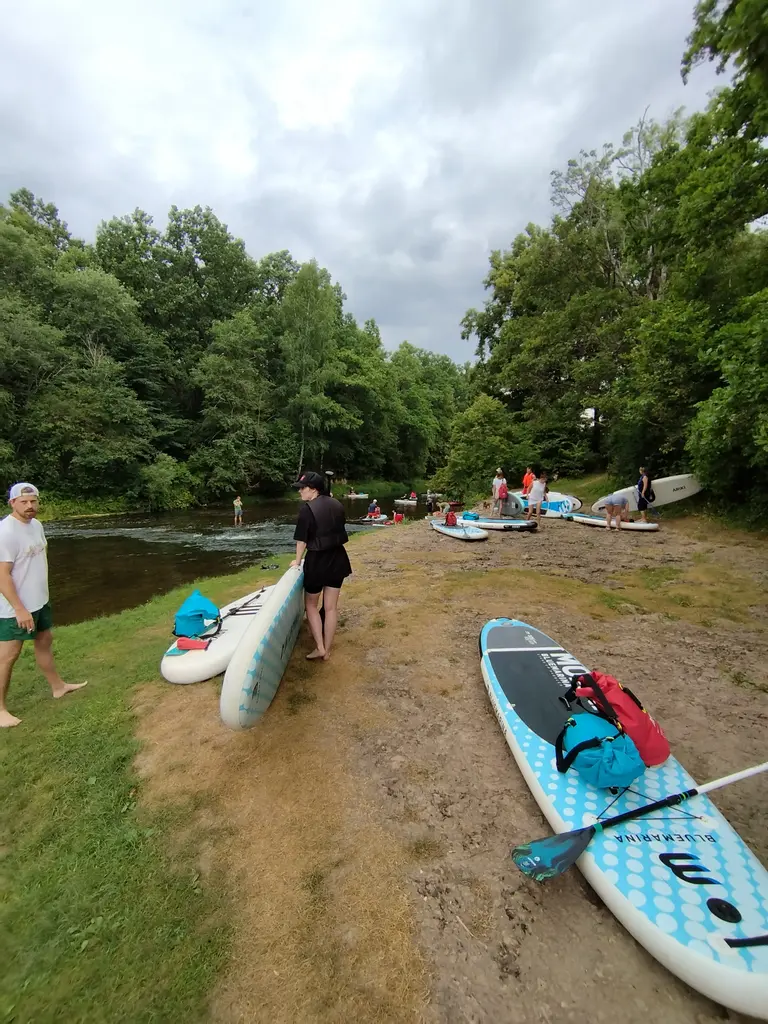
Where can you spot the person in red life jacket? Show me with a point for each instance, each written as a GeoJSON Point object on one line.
{"type": "Point", "coordinates": [528, 479]}
{"type": "Point", "coordinates": [450, 518]}
{"type": "Point", "coordinates": [413, 495]}
{"type": "Point", "coordinates": [399, 517]}
{"type": "Point", "coordinates": [321, 532]}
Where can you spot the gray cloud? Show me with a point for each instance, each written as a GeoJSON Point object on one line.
{"type": "Point", "coordinates": [395, 142]}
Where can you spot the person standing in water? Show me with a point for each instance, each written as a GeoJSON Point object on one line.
{"type": "Point", "coordinates": [238, 506]}
{"type": "Point", "coordinates": [321, 533]}
{"type": "Point", "coordinates": [25, 611]}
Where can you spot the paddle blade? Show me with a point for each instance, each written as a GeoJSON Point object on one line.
{"type": "Point", "coordinates": [550, 857]}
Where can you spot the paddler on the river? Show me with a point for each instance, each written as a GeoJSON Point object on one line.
{"type": "Point", "coordinates": [321, 532]}
{"type": "Point", "coordinates": [25, 611]}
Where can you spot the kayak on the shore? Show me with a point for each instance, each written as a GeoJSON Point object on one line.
{"type": "Point", "coordinates": [680, 880]}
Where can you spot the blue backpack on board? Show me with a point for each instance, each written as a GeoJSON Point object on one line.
{"type": "Point", "coordinates": [195, 616]}
{"type": "Point", "coordinates": [599, 750]}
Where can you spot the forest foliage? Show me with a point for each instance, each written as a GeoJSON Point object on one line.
{"type": "Point", "coordinates": [169, 366]}
{"type": "Point", "coordinates": [633, 328]}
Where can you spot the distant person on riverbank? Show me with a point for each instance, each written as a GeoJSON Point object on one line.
{"type": "Point", "coordinates": [499, 491]}
{"type": "Point", "coordinates": [238, 506]}
{"type": "Point", "coordinates": [321, 532]}
{"type": "Point", "coordinates": [537, 495]}
{"type": "Point", "coordinates": [645, 495]}
{"type": "Point", "coordinates": [399, 517]}
{"type": "Point", "coordinates": [528, 479]}
{"type": "Point", "coordinates": [25, 611]}
{"type": "Point", "coordinates": [616, 507]}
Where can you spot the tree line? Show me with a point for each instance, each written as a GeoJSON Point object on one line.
{"type": "Point", "coordinates": [633, 328]}
{"type": "Point", "coordinates": [168, 367]}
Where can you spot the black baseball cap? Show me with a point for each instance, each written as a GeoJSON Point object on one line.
{"type": "Point", "coordinates": [313, 480]}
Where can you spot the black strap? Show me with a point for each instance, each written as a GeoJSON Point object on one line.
{"type": "Point", "coordinates": [564, 761]}
{"type": "Point", "coordinates": [598, 697]}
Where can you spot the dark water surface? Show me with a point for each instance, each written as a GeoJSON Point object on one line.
{"type": "Point", "coordinates": [106, 564]}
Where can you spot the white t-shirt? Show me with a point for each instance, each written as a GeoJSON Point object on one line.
{"type": "Point", "coordinates": [24, 544]}
{"type": "Point", "coordinates": [496, 484]}
{"type": "Point", "coordinates": [537, 491]}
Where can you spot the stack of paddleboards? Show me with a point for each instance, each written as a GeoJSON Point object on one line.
{"type": "Point", "coordinates": [252, 646]}
{"type": "Point", "coordinates": [555, 506]}
{"type": "Point", "coordinates": [680, 879]}
{"type": "Point", "coordinates": [459, 532]}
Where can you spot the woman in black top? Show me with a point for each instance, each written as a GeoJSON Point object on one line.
{"type": "Point", "coordinates": [321, 532]}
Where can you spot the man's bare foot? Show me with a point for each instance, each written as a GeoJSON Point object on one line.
{"type": "Point", "coordinates": [327, 656]}
{"type": "Point", "coordinates": [317, 653]}
{"type": "Point", "coordinates": [7, 720]}
{"type": "Point", "coordinates": [68, 688]}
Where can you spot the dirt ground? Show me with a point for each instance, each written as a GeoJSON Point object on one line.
{"type": "Point", "coordinates": [363, 828]}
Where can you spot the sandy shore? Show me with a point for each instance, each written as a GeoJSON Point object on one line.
{"type": "Point", "coordinates": [363, 829]}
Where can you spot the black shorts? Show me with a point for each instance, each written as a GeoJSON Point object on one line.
{"type": "Point", "coordinates": [326, 569]}
{"type": "Point", "coordinates": [642, 504]}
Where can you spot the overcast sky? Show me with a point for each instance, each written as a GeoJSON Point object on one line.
{"type": "Point", "coordinates": [397, 142]}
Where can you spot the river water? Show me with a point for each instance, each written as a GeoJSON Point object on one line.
{"type": "Point", "coordinates": [106, 564]}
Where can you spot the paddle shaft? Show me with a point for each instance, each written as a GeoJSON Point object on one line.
{"type": "Point", "coordinates": [678, 798]}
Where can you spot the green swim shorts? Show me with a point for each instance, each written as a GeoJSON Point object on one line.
{"type": "Point", "coordinates": [9, 628]}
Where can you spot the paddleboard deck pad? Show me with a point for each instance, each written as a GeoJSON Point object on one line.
{"type": "Point", "coordinates": [682, 882]}
{"type": "Point", "coordinates": [589, 520]}
{"type": "Point", "coordinates": [257, 666]}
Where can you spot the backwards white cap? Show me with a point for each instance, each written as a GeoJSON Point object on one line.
{"type": "Point", "coordinates": [18, 489]}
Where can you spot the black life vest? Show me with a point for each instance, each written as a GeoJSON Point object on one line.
{"type": "Point", "coordinates": [330, 531]}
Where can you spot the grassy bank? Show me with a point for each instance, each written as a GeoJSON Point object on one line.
{"type": "Point", "coordinates": [100, 919]}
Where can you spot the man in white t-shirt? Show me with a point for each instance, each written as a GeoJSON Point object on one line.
{"type": "Point", "coordinates": [25, 611]}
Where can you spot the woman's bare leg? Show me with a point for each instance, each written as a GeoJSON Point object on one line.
{"type": "Point", "coordinates": [315, 625]}
{"type": "Point", "coordinates": [331, 605]}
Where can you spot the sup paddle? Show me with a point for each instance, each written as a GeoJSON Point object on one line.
{"type": "Point", "coordinates": [550, 857]}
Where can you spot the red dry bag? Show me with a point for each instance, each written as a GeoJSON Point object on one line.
{"type": "Point", "coordinates": [609, 695]}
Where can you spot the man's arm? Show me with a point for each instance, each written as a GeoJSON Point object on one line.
{"type": "Point", "coordinates": [8, 590]}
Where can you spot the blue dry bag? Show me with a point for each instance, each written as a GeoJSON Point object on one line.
{"type": "Point", "coordinates": [602, 754]}
{"type": "Point", "coordinates": [195, 616]}
{"type": "Point", "coordinates": [470, 515]}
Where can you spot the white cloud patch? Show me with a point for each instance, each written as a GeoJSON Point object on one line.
{"type": "Point", "coordinates": [396, 142]}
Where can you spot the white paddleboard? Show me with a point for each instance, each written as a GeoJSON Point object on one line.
{"type": "Point", "coordinates": [506, 525]}
{"type": "Point", "coordinates": [555, 506]}
{"type": "Point", "coordinates": [463, 532]}
{"type": "Point", "coordinates": [405, 501]}
{"type": "Point", "coordinates": [682, 881]}
{"type": "Point", "coordinates": [179, 666]}
{"type": "Point", "coordinates": [587, 520]}
{"type": "Point", "coordinates": [257, 666]}
{"type": "Point", "coordinates": [667, 489]}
